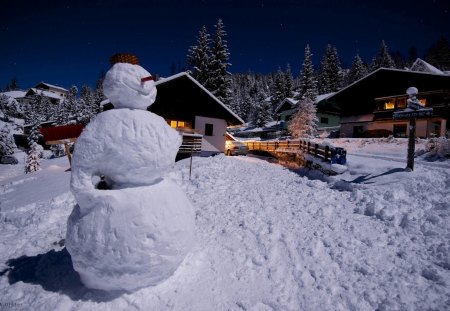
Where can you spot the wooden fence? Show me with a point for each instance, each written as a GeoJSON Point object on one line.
{"type": "Point", "coordinates": [192, 144]}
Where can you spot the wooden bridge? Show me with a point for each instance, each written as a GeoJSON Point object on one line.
{"type": "Point", "coordinates": [303, 153]}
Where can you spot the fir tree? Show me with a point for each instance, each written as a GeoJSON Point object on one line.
{"type": "Point", "coordinates": [12, 85]}
{"type": "Point", "coordinates": [438, 54]}
{"type": "Point", "coordinates": [262, 111]}
{"type": "Point", "coordinates": [288, 82]}
{"type": "Point", "coordinates": [34, 117]}
{"type": "Point", "coordinates": [308, 83]}
{"type": "Point", "coordinates": [358, 70]}
{"type": "Point", "coordinates": [7, 144]}
{"type": "Point", "coordinates": [199, 57]}
{"type": "Point", "coordinates": [304, 123]}
{"type": "Point", "coordinates": [33, 159]}
{"type": "Point", "coordinates": [219, 81]}
{"type": "Point", "coordinates": [382, 59]}
{"type": "Point", "coordinates": [278, 89]}
{"type": "Point", "coordinates": [330, 72]}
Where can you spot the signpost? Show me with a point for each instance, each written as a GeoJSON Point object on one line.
{"type": "Point", "coordinates": [414, 110]}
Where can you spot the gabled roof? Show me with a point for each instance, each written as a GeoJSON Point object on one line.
{"type": "Point", "coordinates": [287, 103]}
{"type": "Point", "coordinates": [422, 66]}
{"type": "Point", "coordinates": [359, 96]}
{"type": "Point", "coordinates": [34, 91]}
{"type": "Point", "coordinates": [47, 85]}
{"type": "Point", "coordinates": [228, 114]}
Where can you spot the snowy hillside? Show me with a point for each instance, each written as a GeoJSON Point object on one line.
{"type": "Point", "coordinates": [374, 238]}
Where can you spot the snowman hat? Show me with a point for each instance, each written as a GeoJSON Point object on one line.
{"type": "Point", "coordinates": [124, 58]}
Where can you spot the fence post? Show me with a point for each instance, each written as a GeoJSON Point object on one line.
{"type": "Point", "coordinates": [316, 147]}
{"type": "Point", "coordinates": [327, 152]}
{"type": "Point", "coordinates": [309, 147]}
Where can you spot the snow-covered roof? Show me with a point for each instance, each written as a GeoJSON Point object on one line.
{"type": "Point", "coordinates": [14, 94]}
{"type": "Point", "coordinates": [288, 100]}
{"type": "Point", "coordinates": [381, 69]}
{"type": "Point", "coordinates": [182, 74]}
{"type": "Point", "coordinates": [323, 96]}
{"type": "Point", "coordinates": [52, 86]}
{"type": "Point", "coordinates": [422, 66]}
{"type": "Point", "coordinates": [44, 93]}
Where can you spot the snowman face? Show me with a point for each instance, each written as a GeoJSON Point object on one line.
{"type": "Point", "coordinates": [129, 86]}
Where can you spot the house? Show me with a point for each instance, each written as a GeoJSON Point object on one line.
{"type": "Point", "coordinates": [55, 94]}
{"type": "Point", "coordinates": [367, 105]}
{"type": "Point", "coordinates": [327, 115]}
{"type": "Point", "coordinates": [191, 109]}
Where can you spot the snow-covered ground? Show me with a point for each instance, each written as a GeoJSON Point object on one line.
{"type": "Point", "coordinates": [268, 238]}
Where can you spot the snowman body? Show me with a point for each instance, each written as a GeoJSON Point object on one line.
{"type": "Point", "coordinates": [138, 232]}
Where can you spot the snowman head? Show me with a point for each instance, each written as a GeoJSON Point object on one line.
{"type": "Point", "coordinates": [128, 85]}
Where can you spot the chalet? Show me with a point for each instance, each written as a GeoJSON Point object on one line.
{"type": "Point", "coordinates": [367, 105]}
{"type": "Point", "coordinates": [191, 109]}
{"type": "Point", "coordinates": [327, 115]}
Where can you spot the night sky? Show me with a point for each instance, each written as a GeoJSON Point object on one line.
{"type": "Point", "coordinates": [69, 42]}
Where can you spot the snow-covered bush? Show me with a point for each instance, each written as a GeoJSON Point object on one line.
{"type": "Point", "coordinates": [7, 147]}
{"type": "Point", "coordinates": [33, 162]}
{"type": "Point", "coordinates": [438, 146]}
{"type": "Point", "coordinates": [57, 151]}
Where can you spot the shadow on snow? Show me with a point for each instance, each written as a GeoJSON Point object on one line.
{"type": "Point", "coordinates": [54, 272]}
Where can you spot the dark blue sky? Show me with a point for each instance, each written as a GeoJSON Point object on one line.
{"type": "Point", "coordinates": [69, 42]}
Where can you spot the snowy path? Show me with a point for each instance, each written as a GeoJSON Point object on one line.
{"type": "Point", "coordinates": [270, 239]}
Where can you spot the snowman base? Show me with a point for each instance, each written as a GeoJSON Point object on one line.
{"type": "Point", "coordinates": [132, 238]}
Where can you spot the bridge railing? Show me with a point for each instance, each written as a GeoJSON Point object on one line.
{"type": "Point", "coordinates": [324, 152]}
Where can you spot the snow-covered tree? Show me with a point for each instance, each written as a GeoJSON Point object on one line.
{"type": "Point", "coordinates": [262, 111]}
{"type": "Point", "coordinates": [199, 57]}
{"type": "Point", "coordinates": [12, 85]}
{"type": "Point", "coordinates": [10, 107]}
{"type": "Point", "coordinates": [86, 105]}
{"type": "Point", "coordinates": [304, 123]}
{"type": "Point", "coordinates": [438, 54]}
{"type": "Point", "coordinates": [288, 82]}
{"type": "Point", "coordinates": [308, 82]}
{"type": "Point", "coordinates": [33, 162]}
{"type": "Point", "coordinates": [358, 70]}
{"type": "Point", "coordinates": [219, 80]}
{"type": "Point", "coordinates": [329, 72]}
{"type": "Point", "coordinates": [278, 89]}
{"type": "Point", "coordinates": [34, 116]}
{"type": "Point", "coordinates": [7, 144]}
{"type": "Point", "coordinates": [382, 59]}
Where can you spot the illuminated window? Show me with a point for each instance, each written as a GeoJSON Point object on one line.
{"type": "Point", "coordinates": [390, 104]}
{"type": "Point", "coordinates": [179, 124]}
{"type": "Point", "coordinates": [423, 101]}
{"type": "Point", "coordinates": [401, 102]}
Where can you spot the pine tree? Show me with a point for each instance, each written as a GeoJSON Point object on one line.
{"type": "Point", "coordinates": [438, 54]}
{"type": "Point", "coordinates": [7, 144]}
{"type": "Point", "coordinates": [219, 81]}
{"type": "Point", "coordinates": [199, 58]}
{"type": "Point", "coordinates": [34, 116]}
{"type": "Point", "coordinates": [288, 82]}
{"type": "Point", "coordinates": [304, 123]}
{"type": "Point", "coordinates": [382, 59]}
{"type": "Point", "coordinates": [358, 70]}
{"type": "Point", "coordinates": [308, 83]}
{"type": "Point", "coordinates": [262, 112]}
{"type": "Point", "coordinates": [33, 162]}
{"type": "Point", "coordinates": [278, 89]}
{"type": "Point", "coordinates": [330, 72]}
{"type": "Point", "coordinates": [12, 85]}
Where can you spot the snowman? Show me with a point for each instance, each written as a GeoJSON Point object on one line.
{"type": "Point", "coordinates": [136, 233]}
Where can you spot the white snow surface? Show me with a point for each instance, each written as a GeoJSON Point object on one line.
{"type": "Point", "coordinates": [268, 238]}
{"type": "Point", "coordinates": [124, 88]}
